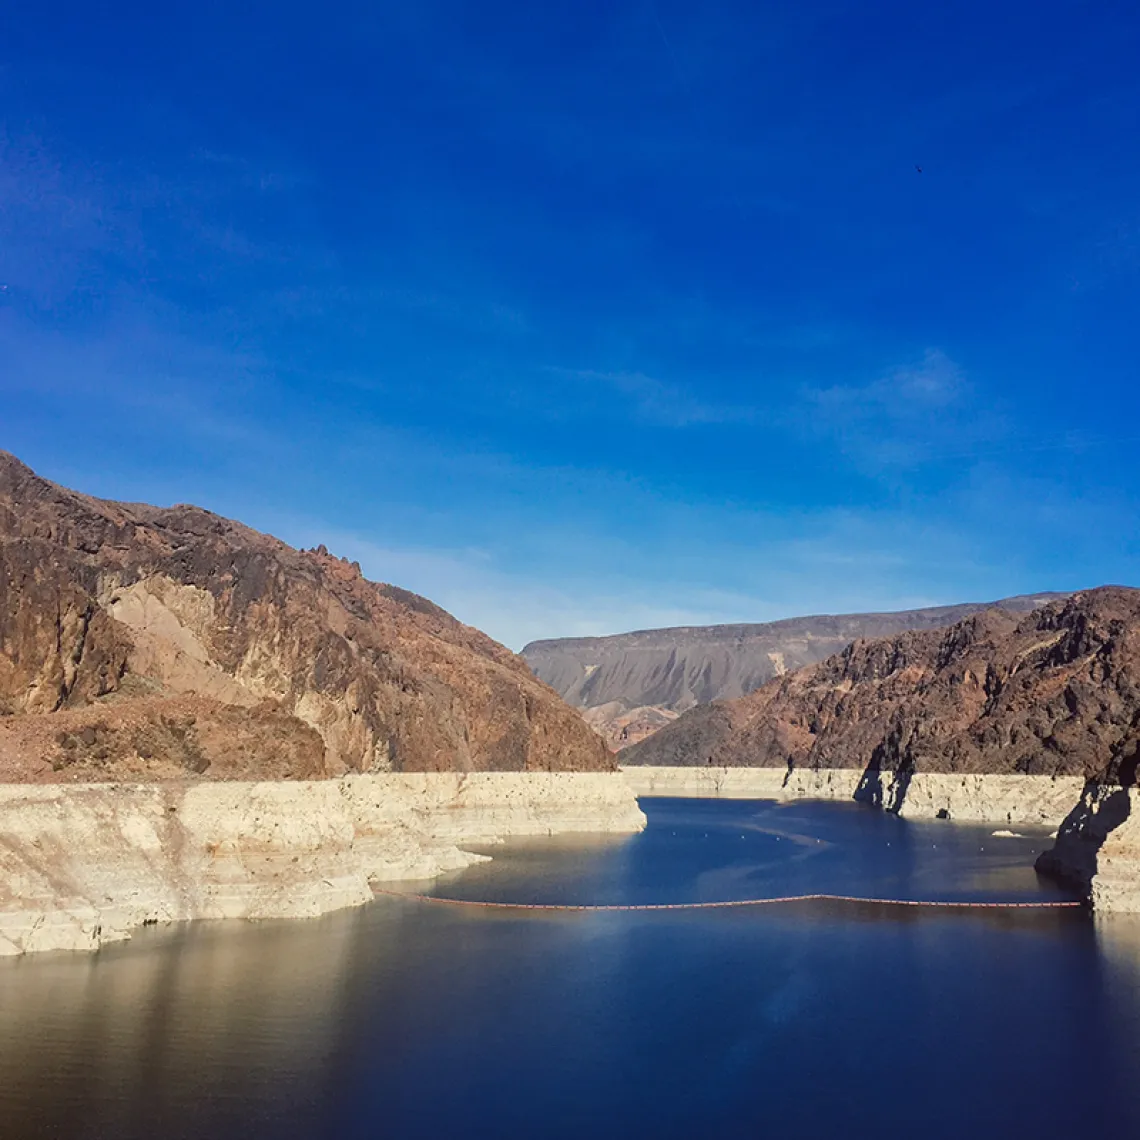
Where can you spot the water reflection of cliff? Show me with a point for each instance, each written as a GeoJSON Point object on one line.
{"type": "Point", "coordinates": [122, 1043]}
{"type": "Point", "coordinates": [419, 1020]}
{"type": "Point", "coordinates": [1118, 939]}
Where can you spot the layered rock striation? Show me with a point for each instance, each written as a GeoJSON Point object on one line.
{"type": "Point", "coordinates": [1036, 800]}
{"type": "Point", "coordinates": [632, 684]}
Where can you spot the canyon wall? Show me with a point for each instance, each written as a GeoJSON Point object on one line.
{"type": "Point", "coordinates": [1056, 693]}
{"type": "Point", "coordinates": [630, 685]}
{"type": "Point", "coordinates": [139, 642]}
{"type": "Point", "coordinates": [198, 721]}
{"type": "Point", "coordinates": [995, 719]}
{"type": "Point", "coordinates": [1039, 800]}
{"type": "Point", "coordinates": [1097, 842]}
{"type": "Point", "coordinates": [83, 865]}
{"type": "Point", "coordinates": [1098, 847]}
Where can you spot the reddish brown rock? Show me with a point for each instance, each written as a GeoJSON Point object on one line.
{"type": "Point", "coordinates": [620, 727]}
{"type": "Point", "coordinates": [629, 685]}
{"type": "Point", "coordinates": [1056, 692]}
{"type": "Point", "coordinates": [288, 662]}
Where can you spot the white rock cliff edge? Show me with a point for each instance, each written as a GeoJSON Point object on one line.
{"type": "Point", "coordinates": [82, 865]}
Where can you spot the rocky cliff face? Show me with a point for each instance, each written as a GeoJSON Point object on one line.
{"type": "Point", "coordinates": [632, 684]}
{"type": "Point", "coordinates": [1056, 693]}
{"type": "Point", "coordinates": [144, 643]}
{"type": "Point", "coordinates": [994, 718]}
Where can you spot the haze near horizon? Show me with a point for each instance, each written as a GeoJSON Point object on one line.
{"type": "Point", "coordinates": [588, 318]}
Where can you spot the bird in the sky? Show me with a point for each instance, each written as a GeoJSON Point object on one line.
{"type": "Point", "coordinates": [918, 168]}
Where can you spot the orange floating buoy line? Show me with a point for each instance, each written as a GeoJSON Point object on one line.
{"type": "Point", "coordinates": [1043, 905]}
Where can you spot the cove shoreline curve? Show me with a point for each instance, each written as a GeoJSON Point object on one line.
{"type": "Point", "coordinates": [84, 865]}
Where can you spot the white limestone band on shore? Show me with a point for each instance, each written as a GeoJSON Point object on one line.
{"type": "Point", "coordinates": [980, 798]}
{"type": "Point", "coordinates": [82, 865]}
{"type": "Point", "coordinates": [1101, 855]}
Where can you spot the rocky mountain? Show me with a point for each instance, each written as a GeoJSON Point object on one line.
{"type": "Point", "coordinates": [632, 684]}
{"type": "Point", "coordinates": [1055, 692]}
{"type": "Point", "coordinates": [145, 643]}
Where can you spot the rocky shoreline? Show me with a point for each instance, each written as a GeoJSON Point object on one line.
{"type": "Point", "coordinates": [1044, 800]}
{"type": "Point", "coordinates": [84, 865]}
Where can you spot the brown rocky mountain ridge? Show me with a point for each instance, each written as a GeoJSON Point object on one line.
{"type": "Point", "coordinates": [142, 643]}
{"type": "Point", "coordinates": [630, 685]}
{"type": "Point", "coordinates": [1054, 692]}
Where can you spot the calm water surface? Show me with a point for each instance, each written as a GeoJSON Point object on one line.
{"type": "Point", "coordinates": [416, 1020]}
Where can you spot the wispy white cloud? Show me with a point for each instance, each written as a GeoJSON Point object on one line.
{"type": "Point", "coordinates": [138, 365]}
{"type": "Point", "coordinates": [736, 566]}
{"type": "Point", "coordinates": [912, 414]}
{"type": "Point", "coordinates": [516, 608]}
{"type": "Point", "coordinates": [661, 403]}
{"type": "Point", "coordinates": [506, 539]}
{"type": "Point", "coordinates": [907, 394]}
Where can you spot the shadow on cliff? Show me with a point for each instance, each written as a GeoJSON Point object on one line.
{"type": "Point", "coordinates": [1104, 805]}
{"type": "Point", "coordinates": [884, 788]}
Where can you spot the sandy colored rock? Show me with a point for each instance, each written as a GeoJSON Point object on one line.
{"type": "Point", "coordinates": [1038, 800]}
{"type": "Point", "coordinates": [620, 727]}
{"type": "Point", "coordinates": [84, 865]}
{"type": "Point", "coordinates": [1098, 847]}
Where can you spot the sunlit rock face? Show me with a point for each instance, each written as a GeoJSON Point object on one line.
{"type": "Point", "coordinates": [630, 685]}
{"type": "Point", "coordinates": [197, 721]}
{"type": "Point", "coordinates": [1052, 693]}
{"type": "Point", "coordinates": [82, 865]}
{"type": "Point", "coordinates": [1033, 719]}
{"type": "Point", "coordinates": [146, 643]}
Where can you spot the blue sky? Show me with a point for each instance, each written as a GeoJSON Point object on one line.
{"type": "Point", "coordinates": [586, 317]}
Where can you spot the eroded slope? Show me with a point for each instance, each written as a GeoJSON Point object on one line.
{"type": "Point", "coordinates": [141, 643]}
{"type": "Point", "coordinates": [1054, 693]}
{"type": "Point", "coordinates": [632, 684]}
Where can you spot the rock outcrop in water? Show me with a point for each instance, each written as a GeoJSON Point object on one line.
{"type": "Point", "coordinates": [143, 643]}
{"type": "Point", "coordinates": [632, 684]}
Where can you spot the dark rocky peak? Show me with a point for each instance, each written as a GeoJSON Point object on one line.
{"type": "Point", "coordinates": [105, 600]}
{"type": "Point", "coordinates": [1057, 693]}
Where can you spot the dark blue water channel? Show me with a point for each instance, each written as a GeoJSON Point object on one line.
{"type": "Point", "coordinates": [411, 1019]}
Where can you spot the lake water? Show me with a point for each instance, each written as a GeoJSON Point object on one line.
{"type": "Point", "coordinates": [411, 1019]}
